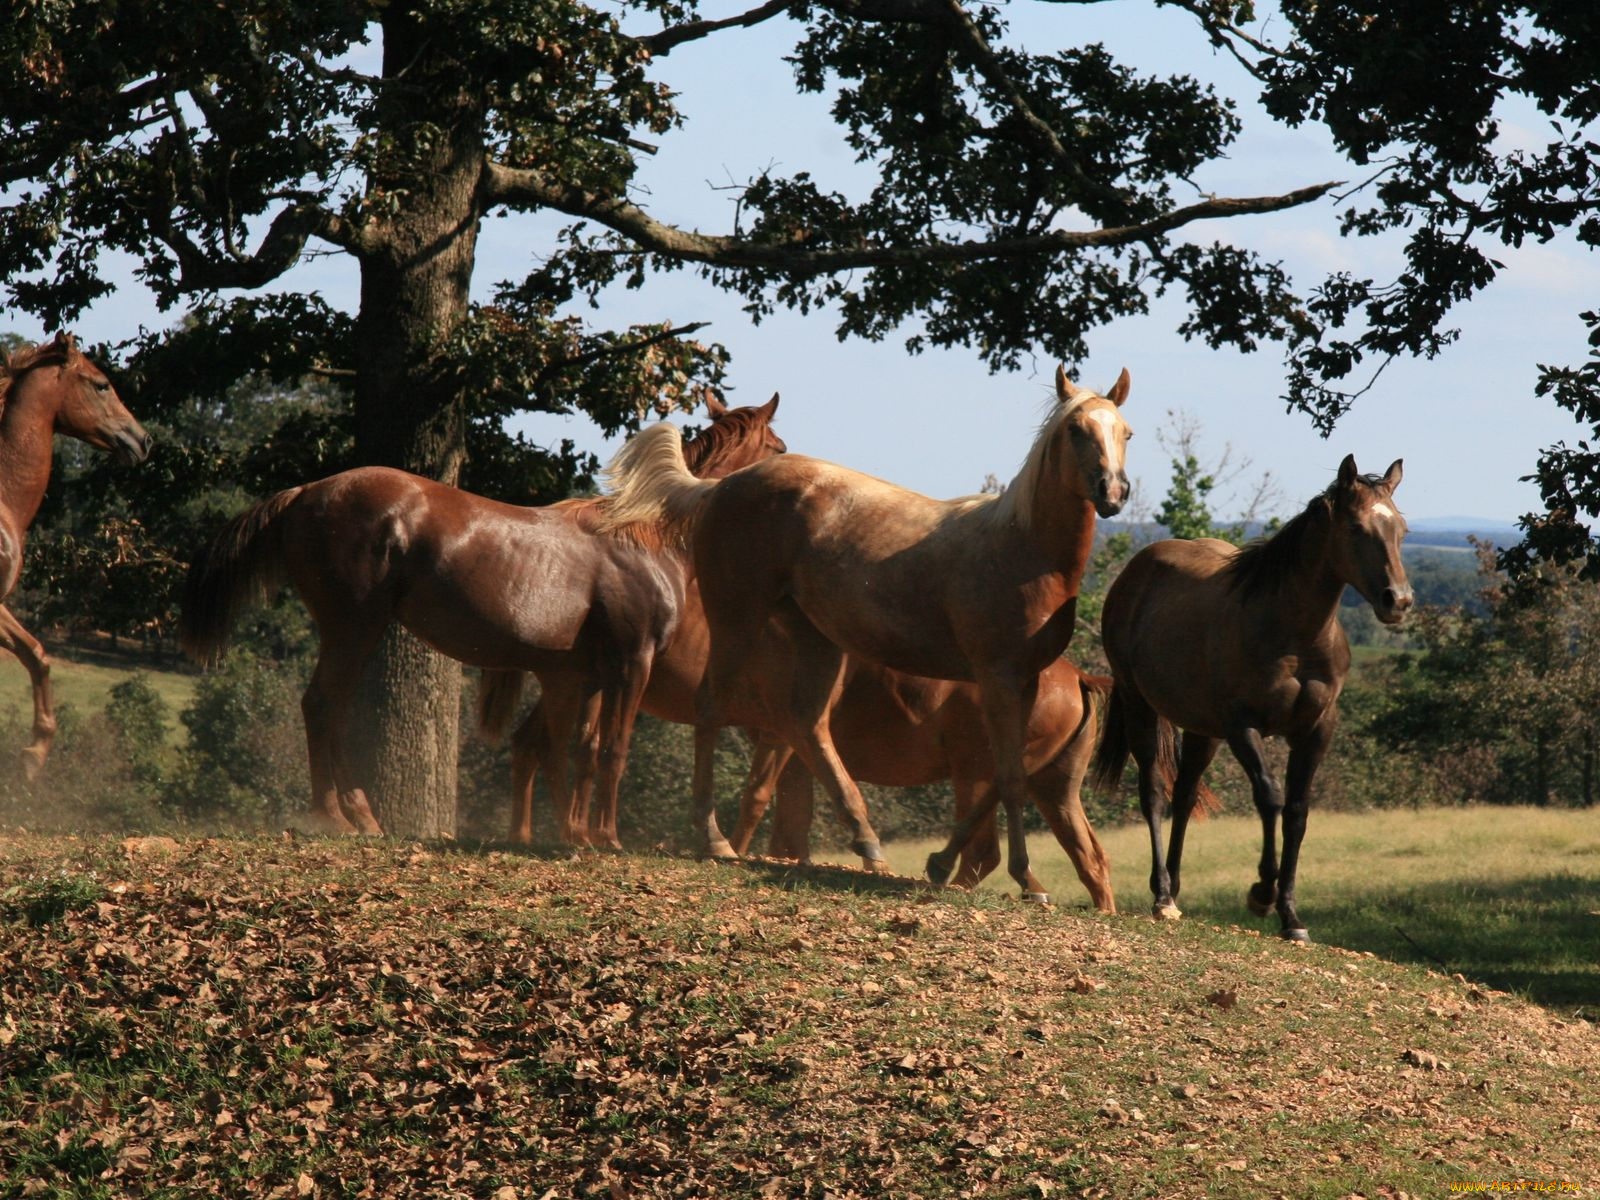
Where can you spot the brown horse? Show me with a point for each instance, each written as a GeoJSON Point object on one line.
{"type": "Point", "coordinates": [493, 585]}
{"type": "Point", "coordinates": [905, 731]}
{"type": "Point", "coordinates": [1237, 645]}
{"type": "Point", "coordinates": [981, 589]}
{"type": "Point", "coordinates": [48, 389]}
{"type": "Point", "coordinates": [567, 713]}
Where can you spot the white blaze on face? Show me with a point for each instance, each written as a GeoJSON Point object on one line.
{"type": "Point", "coordinates": [1383, 510]}
{"type": "Point", "coordinates": [1107, 422]}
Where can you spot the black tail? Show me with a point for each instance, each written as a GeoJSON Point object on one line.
{"type": "Point", "coordinates": [1112, 755]}
{"type": "Point", "coordinates": [242, 563]}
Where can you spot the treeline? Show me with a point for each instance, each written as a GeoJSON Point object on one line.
{"type": "Point", "coordinates": [1488, 694]}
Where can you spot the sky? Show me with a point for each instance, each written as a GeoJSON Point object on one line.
{"type": "Point", "coordinates": [1467, 424]}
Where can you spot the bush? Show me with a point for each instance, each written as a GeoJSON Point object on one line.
{"type": "Point", "coordinates": [246, 761]}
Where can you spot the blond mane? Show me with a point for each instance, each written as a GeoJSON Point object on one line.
{"type": "Point", "coordinates": [1014, 506]}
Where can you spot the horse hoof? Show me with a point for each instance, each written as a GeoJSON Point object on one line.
{"type": "Point", "coordinates": [938, 868]}
{"type": "Point", "coordinates": [1295, 935]}
{"type": "Point", "coordinates": [1260, 907]}
{"type": "Point", "coordinates": [869, 852]}
{"type": "Point", "coordinates": [1167, 912]}
{"type": "Point", "coordinates": [722, 851]}
{"type": "Point", "coordinates": [1036, 897]}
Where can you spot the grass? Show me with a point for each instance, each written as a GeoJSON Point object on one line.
{"type": "Point", "coordinates": [83, 679]}
{"type": "Point", "coordinates": [1509, 896]}
{"type": "Point", "coordinates": [317, 1018]}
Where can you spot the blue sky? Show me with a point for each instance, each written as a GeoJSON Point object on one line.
{"type": "Point", "coordinates": [1467, 424]}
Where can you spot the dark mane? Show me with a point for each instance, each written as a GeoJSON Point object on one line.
{"type": "Point", "coordinates": [702, 452]}
{"type": "Point", "coordinates": [1261, 564]}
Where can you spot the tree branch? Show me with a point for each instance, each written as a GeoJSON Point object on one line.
{"type": "Point", "coordinates": [280, 249]}
{"type": "Point", "coordinates": [1037, 129]}
{"type": "Point", "coordinates": [530, 188]}
{"type": "Point", "coordinates": [666, 335]}
{"type": "Point", "coordinates": [675, 35]}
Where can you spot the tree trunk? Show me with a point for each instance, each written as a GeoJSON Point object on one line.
{"type": "Point", "coordinates": [415, 278]}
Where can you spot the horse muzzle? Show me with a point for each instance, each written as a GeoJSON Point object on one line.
{"type": "Point", "coordinates": [130, 446]}
{"type": "Point", "coordinates": [1393, 604]}
{"type": "Point", "coordinates": [1110, 494]}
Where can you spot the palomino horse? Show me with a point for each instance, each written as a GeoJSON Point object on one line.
{"type": "Point", "coordinates": [891, 729]}
{"type": "Point", "coordinates": [1237, 645]}
{"type": "Point", "coordinates": [493, 585]}
{"type": "Point", "coordinates": [981, 589]}
{"type": "Point", "coordinates": [48, 389]}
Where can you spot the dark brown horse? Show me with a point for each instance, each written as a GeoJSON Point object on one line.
{"type": "Point", "coordinates": [48, 389]}
{"type": "Point", "coordinates": [981, 589]}
{"type": "Point", "coordinates": [1238, 645]}
{"type": "Point", "coordinates": [493, 585]}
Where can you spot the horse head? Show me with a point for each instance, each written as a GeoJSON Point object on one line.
{"type": "Point", "coordinates": [1367, 532]}
{"type": "Point", "coordinates": [88, 407]}
{"type": "Point", "coordinates": [736, 438]}
{"type": "Point", "coordinates": [1093, 426]}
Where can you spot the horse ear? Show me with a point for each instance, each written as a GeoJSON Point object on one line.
{"type": "Point", "coordinates": [770, 408]}
{"type": "Point", "coordinates": [1119, 390]}
{"type": "Point", "coordinates": [1347, 471]}
{"type": "Point", "coordinates": [1391, 477]}
{"type": "Point", "coordinates": [714, 406]}
{"type": "Point", "coordinates": [1066, 390]}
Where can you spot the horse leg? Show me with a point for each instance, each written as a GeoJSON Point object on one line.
{"type": "Point", "coordinates": [31, 655]}
{"type": "Point", "coordinates": [1057, 793]}
{"type": "Point", "coordinates": [981, 853]}
{"type": "Point", "coordinates": [325, 707]}
{"type": "Point", "coordinates": [1245, 743]}
{"type": "Point", "coordinates": [529, 746]}
{"type": "Point", "coordinates": [1006, 705]}
{"type": "Point", "coordinates": [1196, 755]}
{"type": "Point", "coordinates": [573, 759]}
{"type": "Point", "coordinates": [1306, 753]}
{"type": "Point", "coordinates": [791, 824]}
{"type": "Point", "coordinates": [767, 761]}
{"type": "Point", "coordinates": [819, 675]}
{"type": "Point", "coordinates": [619, 709]}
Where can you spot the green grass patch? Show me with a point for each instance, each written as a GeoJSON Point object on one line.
{"type": "Point", "coordinates": [85, 681]}
{"type": "Point", "coordinates": [1508, 896]}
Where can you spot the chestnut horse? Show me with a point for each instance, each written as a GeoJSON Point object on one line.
{"type": "Point", "coordinates": [490, 584]}
{"type": "Point", "coordinates": [567, 711]}
{"type": "Point", "coordinates": [891, 729]}
{"type": "Point", "coordinates": [981, 589]}
{"type": "Point", "coordinates": [1237, 645]}
{"type": "Point", "coordinates": [44, 390]}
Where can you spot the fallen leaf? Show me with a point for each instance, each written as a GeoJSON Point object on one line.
{"type": "Point", "coordinates": [1224, 999]}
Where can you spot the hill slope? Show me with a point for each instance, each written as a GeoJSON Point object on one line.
{"type": "Point", "coordinates": [310, 1018]}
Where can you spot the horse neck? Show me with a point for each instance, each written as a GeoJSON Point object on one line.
{"type": "Point", "coordinates": [27, 434]}
{"type": "Point", "coordinates": [1306, 600]}
{"type": "Point", "coordinates": [1061, 528]}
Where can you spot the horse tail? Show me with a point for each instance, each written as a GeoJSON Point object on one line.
{"type": "Point", "coordinates": [652, 485]}
{"type": "Point", "coordinates": [240, 567]}
{"type": "Point", "coordinates": [498, 693]}
{"type": "Point", "coordinates": [1111, 756]}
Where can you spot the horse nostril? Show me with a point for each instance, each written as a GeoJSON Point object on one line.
{"type": "Point", "coordinates": [1397, 598]}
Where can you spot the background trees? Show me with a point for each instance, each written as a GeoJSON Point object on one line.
{"type": "Point", "coordinates": [1021, 199]}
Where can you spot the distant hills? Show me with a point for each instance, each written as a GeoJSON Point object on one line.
{"type": "Point", "coordinates": [1442, 532]}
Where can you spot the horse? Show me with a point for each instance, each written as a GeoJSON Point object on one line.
{"type": "Point", "coordinates": [1235, 645]}
{"type": "Point", "coordinates": [981, 589]}
{"type": "Point", "coordinates": [891, 729]}
{"type": "Point", "coordinates": [492, 585]}
{"type": "Point", "coordinates": [567, 711]}
{"type": "Point", "coordinates": [36, 403]}
{"type": "Point", "coordinates": [902, 730]}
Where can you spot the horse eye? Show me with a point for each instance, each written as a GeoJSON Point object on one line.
{"type": "Point", "coordinates": [102, 386]}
